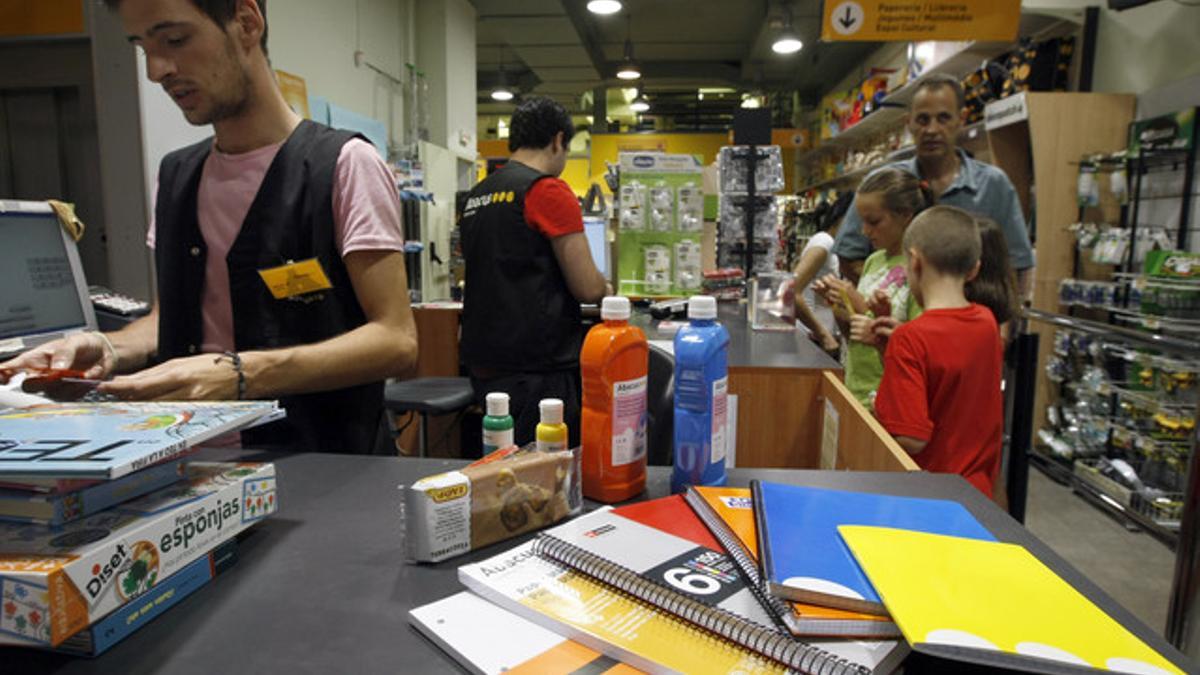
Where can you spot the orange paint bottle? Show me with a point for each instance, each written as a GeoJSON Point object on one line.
{"type": "Point", "coordinates": [613, 365]}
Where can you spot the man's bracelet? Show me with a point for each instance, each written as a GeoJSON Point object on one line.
{"type": "Point", "coordinates": [236, 360]}
{"type": "Point", "coordinates": [108, 343]}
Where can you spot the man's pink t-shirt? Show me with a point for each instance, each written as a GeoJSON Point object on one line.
{"type": "Point", "coordinates": [366, 216]}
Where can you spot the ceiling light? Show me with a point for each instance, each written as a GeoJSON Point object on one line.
{"type": "Point", "coordinates": [501, 91]}
{"type": "Point", "coordinates": [751, 102]}
{"type": "Point", "coordinates": [629, 69]}
{"type": "Point", "coordinates": [604, 6]}
{"type": "Point", "coordinates": [639, 104]}
{"type": "Point", "coordinates": [787, 43]}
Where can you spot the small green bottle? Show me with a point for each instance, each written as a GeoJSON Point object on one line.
{"type": "Point", "coordinates": [497, 423]}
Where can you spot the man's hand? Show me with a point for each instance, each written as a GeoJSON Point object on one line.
{"type": "Point", "coordinates": [206, 377]}
{"type": "Point", "coordinates": [87, 353]}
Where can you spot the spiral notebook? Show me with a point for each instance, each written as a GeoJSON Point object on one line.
{"type": "Point", "coordinates": [615, 624]}
{"type": "Point", "coordinates": [728, 512]}
{"type": "Point", "coordinates": [702, 587]}
{"type": "Point", "coordinates": [487, 639]}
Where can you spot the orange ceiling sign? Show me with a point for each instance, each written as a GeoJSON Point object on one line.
{"type": "Point", "coordinates": [41, 17]}
{"type": "Point", "coordinates": [918, 20]}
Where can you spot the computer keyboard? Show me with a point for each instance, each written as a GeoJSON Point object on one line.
{"type": "Point", "coordinates": [117, 303]}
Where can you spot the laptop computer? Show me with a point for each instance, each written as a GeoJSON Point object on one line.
{"type": "Point", "coordinates": [43, 291]}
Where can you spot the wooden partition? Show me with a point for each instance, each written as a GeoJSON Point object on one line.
{"type": "Point", "coordinates": [862, 443]}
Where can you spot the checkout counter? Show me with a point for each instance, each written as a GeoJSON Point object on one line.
{"type": "Point", "coordinates": [792, 409]}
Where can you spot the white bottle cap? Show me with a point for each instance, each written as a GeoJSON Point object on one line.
{"type": "Point", "coordinates": [615, 308]}
{"type": "Point", "coordinates": [702, 307]}
{"type": "Point", "coordinates": [497, 404]}
{"type": "Point", "coordinates": [551, 410]}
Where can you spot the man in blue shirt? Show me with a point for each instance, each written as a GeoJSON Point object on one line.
{"type": "Point", "coordinates": [935, 119]}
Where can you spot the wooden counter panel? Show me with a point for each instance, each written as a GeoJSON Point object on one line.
{"type": "Point", "coordinates": [779, 417]}
{"type": "Point", "coordinates": [863, 443]}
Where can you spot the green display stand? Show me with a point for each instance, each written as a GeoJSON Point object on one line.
{"type": "Point", "coordinates": [660, 221]}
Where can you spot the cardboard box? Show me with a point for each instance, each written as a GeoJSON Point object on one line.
{"type": "Point", "coordinates": [55, 582]}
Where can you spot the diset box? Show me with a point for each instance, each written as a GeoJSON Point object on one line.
{"type": "Point", "coordinates": [54, 582]}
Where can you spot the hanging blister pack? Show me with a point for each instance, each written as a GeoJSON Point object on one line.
{"type": "Point", "coordinates": [658, 270]}
{"type": "Point", "coordinates": [633, 206]}
{"type": "Point", "coordinates": [688, 272]}
{"type": "Point", "coordinates": [662, 208]}
{"type": "Point", "coordinates": [690, 208]}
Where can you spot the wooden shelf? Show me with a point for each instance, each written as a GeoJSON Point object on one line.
{"type": "Point", "coordinates": [895, 105]}
{"type": "Point", "coordinates": [862, 171]}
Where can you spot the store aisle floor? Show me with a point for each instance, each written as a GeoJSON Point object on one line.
{"type": "Point", "coordinates": [1133, 567]}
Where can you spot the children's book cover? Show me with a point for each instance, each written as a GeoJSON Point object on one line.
{"type": "Point", "coordinates": [109, 440]}
{"type": "Point", "coordinates": [57, 509]}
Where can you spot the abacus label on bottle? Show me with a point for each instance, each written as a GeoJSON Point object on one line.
{"type": "Point", "coordinates": [629, 421]}
{"type": "Point", "coordinates": [720, 418]}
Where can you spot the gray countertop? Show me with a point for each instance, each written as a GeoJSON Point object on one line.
{"type": "Point", "coordinates": [321, 587]}
{"type": "Point", "coordinates": [749, 348]}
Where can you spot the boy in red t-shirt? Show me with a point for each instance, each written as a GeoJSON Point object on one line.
{"type": "Point", "coordinates": [940, 394]}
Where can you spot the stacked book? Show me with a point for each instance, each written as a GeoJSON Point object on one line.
{"type": "Point", "coordinates": [106, 523]}
{"type": "Point", "coordinates": [774, 579]}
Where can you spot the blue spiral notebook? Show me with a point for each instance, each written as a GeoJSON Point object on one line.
{"type": "Point", "coordinates": [804, 558]}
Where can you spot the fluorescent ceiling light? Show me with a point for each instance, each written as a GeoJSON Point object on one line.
{"type": "Point", "coordinates": [604, 6]}
{"type": "Point", "coordinates": [787, 43]}
{"type": "Point", "coordinates": [751, 102]}
{"type": "Point", "coordinates": [640, 104]}
{"type": "Point", "coordinates": [502, 93]}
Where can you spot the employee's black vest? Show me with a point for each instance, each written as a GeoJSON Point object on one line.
{"type": "Point", "coordinates": [518, 314]}
{"type": "Point", "coordinates": [290, 219]}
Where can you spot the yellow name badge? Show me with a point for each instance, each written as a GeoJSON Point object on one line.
{"type": "Point", "coordinates": [295, 279]}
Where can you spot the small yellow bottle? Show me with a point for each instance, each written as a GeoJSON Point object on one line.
{"type": "Point", "coordinates": [551, 431]}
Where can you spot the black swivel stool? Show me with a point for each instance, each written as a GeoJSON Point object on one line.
{"type": "Point", "coordinates": [428, 396]}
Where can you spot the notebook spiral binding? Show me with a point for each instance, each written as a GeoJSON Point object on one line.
{"type": "Point", "coordinates": [775, 606]}
{"type": "Point", "coordinates": [769, 642]}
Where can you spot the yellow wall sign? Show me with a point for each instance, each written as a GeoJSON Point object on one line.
{"type": "Point", "coordinates": [905, 20]}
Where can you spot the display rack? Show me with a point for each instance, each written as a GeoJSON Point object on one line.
{"type": "Point", "coordinates": [742, 205]}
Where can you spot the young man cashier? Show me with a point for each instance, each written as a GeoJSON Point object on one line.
{"type": "Point", "coordinates": [270, 191]}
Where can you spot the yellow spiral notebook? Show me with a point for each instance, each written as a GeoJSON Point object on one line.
{"type": "Point", "coordinates": [993, 603]}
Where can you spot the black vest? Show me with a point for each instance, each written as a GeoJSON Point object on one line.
{"type": "Point", "coordinates": [290, 219]}
{"type": "Point", "coordinates": [518, 314]}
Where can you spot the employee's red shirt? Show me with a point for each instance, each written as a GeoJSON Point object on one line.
{"type": "Point", "coordinates": [941, 384]}
{"type": "Point", "coordinates": [552, 208]}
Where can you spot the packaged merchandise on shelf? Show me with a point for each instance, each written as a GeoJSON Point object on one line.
{"type": "Point", "coordinates": [732, 167]}
{"type": "Point", "coordinates": [727, 283]}
{"type": "Point", "coordinates": [732, 217]}
{"type": "Point", "coordinates": [662, 209]}
{"type": "Point", "coordinates": [670, 211]}
{"type": "Point", "coordinates": [658, 270]}
{"type": "Point", "coordinates": [54, 582]}
{"type": "Point", "coordinates": [688, 266]}
{"type": "Point", "coordinates": [507, 493]}
{"type": "Point", "coordinates": [690, 208]}
{"type": "Point", "coordinates": [632, 206]}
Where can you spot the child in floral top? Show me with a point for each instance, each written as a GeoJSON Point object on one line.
{"type": "Point", "coordinates": [886, 201]}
